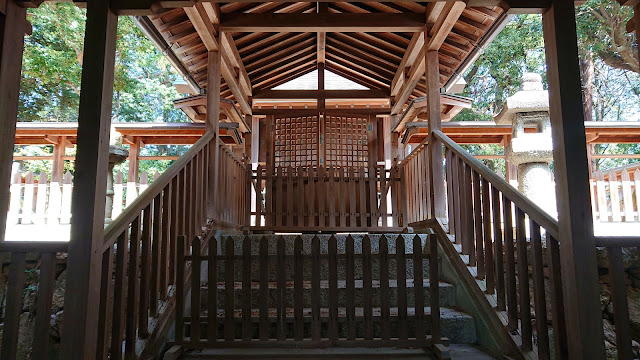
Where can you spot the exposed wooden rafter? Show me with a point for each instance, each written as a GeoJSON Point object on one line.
{"type": "Point", "coordinates": [315, 94]}
{"type": "Point", "coordinates": [314, 22]}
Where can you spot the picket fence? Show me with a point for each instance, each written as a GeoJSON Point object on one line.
{"type": "Point", "coordinates": [36, 200]}
{"type": "Point", "coordinates": [616, 199]}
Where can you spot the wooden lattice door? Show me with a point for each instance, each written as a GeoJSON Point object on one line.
{"type": "Point", "coordinates": [321, 140]}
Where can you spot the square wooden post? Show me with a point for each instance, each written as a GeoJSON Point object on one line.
{"type": "Point", "coordinates": [436, 173]}
{"type": "Point", "coordinates": [90, 184]}
{"type": "Point", "coordinates": [213, 125]}
{"type": "Point", "coordinates": [12, 27]}
{"type": "Point", "coordinates": [578, 253]}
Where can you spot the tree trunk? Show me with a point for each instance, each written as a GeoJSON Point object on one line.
{"type": "Point", "coordinates": [587, 75]}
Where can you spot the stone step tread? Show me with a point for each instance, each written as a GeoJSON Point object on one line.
{"type": "Point", "coordinates": [324, 284]}
{"type": "Point", "coordinates": [445, 313]}
{"type": "Point", "coordinates": [457, 351]}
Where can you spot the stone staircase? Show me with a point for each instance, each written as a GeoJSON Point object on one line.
{"type": "Point", "coordinates": [458, 326]}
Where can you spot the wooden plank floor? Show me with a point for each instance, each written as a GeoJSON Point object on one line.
{"type": "Point", "coordinates": [458, 351]}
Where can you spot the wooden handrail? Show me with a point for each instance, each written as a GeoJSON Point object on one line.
{"type": "Point", "coordinates": [413, 152]}
{"type": "Point", "coordinates": [34, 246]}
{"type": "Point", "coordinates": [617, 241]}
{"type": "Point", "coordinates": [132, 211]}
{"type": "Point", "coordinates": [527, 206]}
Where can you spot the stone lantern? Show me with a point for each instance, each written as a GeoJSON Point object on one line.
{"type": "Point", "coordinates": [117, 155]}
{"type": "Point", "coordinates": [531, 152]}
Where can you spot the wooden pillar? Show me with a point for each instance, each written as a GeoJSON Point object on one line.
{"type": "Point", "coordinates": [321, 100]}
{"type": "Point", "coordinates": [134, 165]}
{"type": "Point", "coordinates": [578, 253]}
{"type": "Point", "coordinates": [372, 140]}
{"type": "Point", "coordinates": [436, 173]}
{"type": "Point", "coordinates": [57, 169]}
{"type": "Point", "coordinates": [90, 184]}
{"type": "Point", "coordinates": [212, 124]}
{"type": "Point", "coordinates": [12, 27]}
{"type": "Point", "coordinates": [395, 153]}
{"type": "Point", "coordinates": [255, 141]}
{"type": "Point", "coordinates": [386, 134]}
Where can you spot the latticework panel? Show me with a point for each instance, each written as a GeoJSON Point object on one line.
{"type": "Point", "coordinates": [296, 141]}
{"type": "Point", "coordinates": [346, 141]}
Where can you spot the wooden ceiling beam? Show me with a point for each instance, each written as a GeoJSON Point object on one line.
{"type": "Point", "coordinates": [412, 53]}
{"type": "Point", "coordinates": [316, 94]}
{"type": "Point", "coordinates": [451, 11]}
{"type": "Point", "coordinates": [413, 77]}
{"type": "Point", "coordinates": [229, 48]}
{"type": "Point", "coordinates": [314, 22]}
{"type": "Point", "coordinates": [203, 25]}
{"type": "Point", "coordinates": [280, 54]}
{"type": "Point", "coordinates": [282, 61]}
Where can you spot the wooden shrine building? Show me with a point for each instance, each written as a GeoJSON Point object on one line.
{"type": "Point", "coordinates": [296, 220]}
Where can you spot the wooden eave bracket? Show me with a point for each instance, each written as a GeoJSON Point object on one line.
{"type": "Point", "coordinates": [418, 106]}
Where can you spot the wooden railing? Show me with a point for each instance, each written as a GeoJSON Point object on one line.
{"type": "Point", "coordinates": [617, 287]}
{"type": "Point", "coordinates": [45, 252]}
{"type": "Point", "coordinates": [416, 175]}
{"type": "Point", "coordinates": [333, 199]}
{"type": "Point", "coordinates": [233, 195]}
{"type": "Point", "coordinates": [500, 233]}
{"type": "Point", "coordinates": [139, 255]}
{"type": "Point", "coordinates": [617, 198]}
{"type": "Point", "coordinates": [278, 292]}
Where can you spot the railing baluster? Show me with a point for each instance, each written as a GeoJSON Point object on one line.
{"type": "Point", "coordinates": [229, 307]}
{"type": "Point", "coordinates": [455, 195]}
{"type": "Point", "coordinates": [118, 297]}
{"type": "Point", "coordinates": [145, 257]}
{"type": "Point", "coordinates": [45, 293]}
{"type": "Point", "coordinates": [165, 246]}
{"type": "Point", "coordinates": [298, 276]}
{"type": "Point", "coordinates": [373, 199]}
{"type": "Point", "coordinates": [499, 254]}
{"type": "Point", "coordinates": [13, 307]}
{"type": "Point", "coordinates": [195, 291]}
{"type": "Point", "coordinates": [350, 288]}
{"type": "Point", "coordinates": [279, 197]}
{"type": "Point", "coordinates": [539, 291]}
{"type": "Point", "coordinates": [156, 248]}
{"type": "Point", "coordinates": [259, 196]}
{"type": "Point", "coordinates": [362, 197]}
{"type": "Point", "coordinates": [512, 299]}
{"type": "Point", "coordinates": [477, 214]}
{"type": "Point", "coordinates": [418, 287]}
{"type": "Point", "coordinates": [290, 195]}
{"type": "Point", "coordinates": [315, 288]}
{"type": "Point", "coordinates": [301, 198]}
{"type": "Point", "coordinates": [132, 290]}
{"type": "Point", "coordinates": [401, 276]}
{"type": "Point", "coordinates": [434, 288]}
{"type": "Point", "coordinates": [352, 197]}
{"type": "Point", "coordinates": [449, 189]}
{"type": "Point", "coordinates": [523, 282]}
{"type": "Point", "coordinates": [264, 290]}
{"type": "Point", "coordinates": [366, 288]}
{"type": "Point", "coordinates": [557, 305]}
{"type": "Point", "coordinates": [180, 283]}
{"type": "Point", "coordinates": [247, 333]}
{"type": "Point", "coordinates": [333, 288]}
{"type": "Point", "coordinates": [383, 252]}
{"type": "Point", "coordinates": [383, 196]}
{"type": "Point", "coordinates": [620, 305]}
{"type": "Point", "coordinates": [212, 291]}
{"type": "Point", "coordinates": [488, 245]}
{"type": "Point", "coordinates": [281, 305]}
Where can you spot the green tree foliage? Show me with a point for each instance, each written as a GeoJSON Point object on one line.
{"type": "Point", "coordinates": [52, 67]}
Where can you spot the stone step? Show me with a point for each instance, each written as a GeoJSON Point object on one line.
{"type": "Point", "coordinates": [324, 242]}
{"type": "Point", "coordinates": [458, 326]}
{"type": "Point", "coordinates": [447, 293]}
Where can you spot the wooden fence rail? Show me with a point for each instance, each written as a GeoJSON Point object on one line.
{"type": "Point", "coordinates": [617, 198]}
{"type": "Point", "coordinates": [45, 202]}
{"type": "Point", "coordinates": [332, 199]}
{"type": "Point", "coordinates": [415, 168]}
{"type": "Point", "coordinates": [617, 287]}
{"type": "Point", "coordinates": [266, 292]}
{"type": "Point", "coordinates": [14, 297]}
{"type": "Point", "coordinates": [501, 233]}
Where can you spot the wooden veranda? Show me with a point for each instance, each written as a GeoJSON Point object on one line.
{"type": "Point", "coordinates": [128, 284]}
